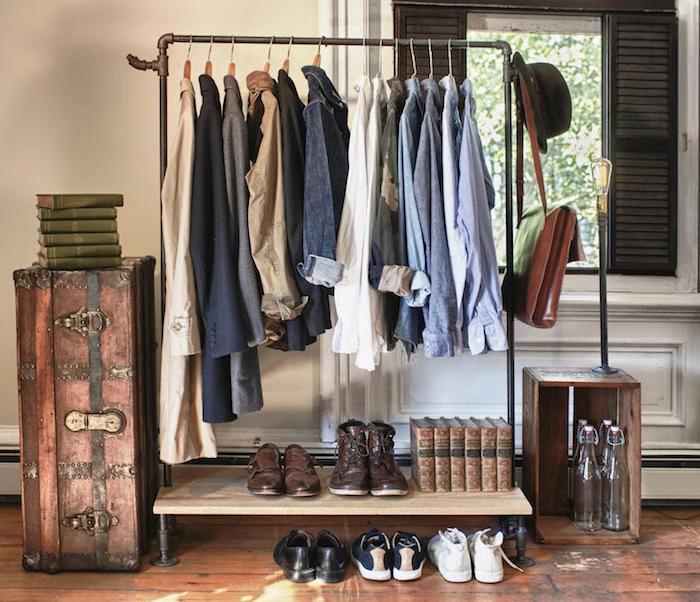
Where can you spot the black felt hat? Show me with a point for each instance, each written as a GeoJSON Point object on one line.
{"type": "Point", "coordinates": [549, 96]}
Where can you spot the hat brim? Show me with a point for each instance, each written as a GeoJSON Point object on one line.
{"type": "Point", "coordinates": [528, 79]}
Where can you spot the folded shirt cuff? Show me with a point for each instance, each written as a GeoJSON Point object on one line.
{"type": "Point", "coordinates": [420, 290]}
{"type": "Point", "coordinates": [321, 270]}
{"type": "Point", "coordinates": [276, 308]}
{"type": "Point", "coordinates": [438, 344]}
{"type": "Point", "coordinates": [396, 279]}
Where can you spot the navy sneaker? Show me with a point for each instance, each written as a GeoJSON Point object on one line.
{"type": "Point", "coordinates": [371, 554]}
{"type": "Point", "coordinates": [408, 555]}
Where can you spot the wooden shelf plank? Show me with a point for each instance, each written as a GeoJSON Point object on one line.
{"type": "Point", "coordinates": [222, 490]}
{"type": "Point", "coordinates": [562, 530]}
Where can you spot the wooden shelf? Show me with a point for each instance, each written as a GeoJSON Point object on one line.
{"type": "Point", "coordinates": [221, 490]}
{"type": "Point", "coordinates": [546, 424]}
{"type": "Point", "coordinates": [562, 530]}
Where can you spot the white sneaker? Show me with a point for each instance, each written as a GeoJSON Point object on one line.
{"type": "Point", "coordinates": [449, 552]}
{"type": "Point", "coordinates": [487, 556]}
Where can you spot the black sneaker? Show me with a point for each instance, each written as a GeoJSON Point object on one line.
{"type": "Point", "coordinates": [371, 554]}
{"type": "Point", "coordinates": [294, 554]}
{"type": "Point", "coordinates": [330, 556]}
{"type": "Point", "coordinates": [408, 556]}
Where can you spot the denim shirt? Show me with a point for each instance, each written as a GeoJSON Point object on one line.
{"type": "Point", "coordinates": [483, 304]}
{"type": "Point", "coordinates": [411, 247]}
{"type": "Point", "coordinates": [325, 176]}
{"type": "Point", "coordinates": [440, 313]}
{"type": "Point", "coordinates": [451, 138]}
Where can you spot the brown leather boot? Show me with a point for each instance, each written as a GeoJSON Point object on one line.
{"type": "Point", "coordinates": [300, 478]}
{"type": "Point", "coordinates": [385, 476]}
{"type": "Point", "coordinates": [350, 474]}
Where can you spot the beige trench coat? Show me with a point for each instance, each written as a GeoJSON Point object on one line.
{"type": "Point", "coordinates": [183, 434]}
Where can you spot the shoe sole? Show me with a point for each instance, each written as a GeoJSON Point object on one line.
{"type": "Point", "coordinates": [488, 577]}
{"type": "Point", "coordinates": [335, 491]}
{"type": "Point", "coordinates": [380, 492]}
{"type": "Point", "coordinates": [409, 575]}
{"type": "Point", "coordinates": [265, 492]}
{"type": "Point", "coordinates": [371, 575]}
{"type": "Point", "coordinates": [329, 576]}
{"type": "Point", "coordinates": [304, 493]}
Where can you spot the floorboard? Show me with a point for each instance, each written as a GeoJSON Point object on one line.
{"type": "Point", "coordinates": [230, 558]}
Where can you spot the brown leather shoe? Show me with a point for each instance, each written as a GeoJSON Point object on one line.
{"type": "Point", "coordinates": [385, 476]}
{"type": "Point", "coordinates": [350, 473]}
{"type": "Point", "coordinates": [300, 478]}
{"type": "Point", "coordinates": [265, 471]}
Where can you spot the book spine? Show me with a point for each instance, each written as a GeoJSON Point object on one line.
{"type": "Point", "coordinates": [423, 457]}
{"type": "Point", "coordinates": [457, 470]}
{"type": "Point", "coordinates": [504, 457]}
{"type": "Point", "coordinates": [85, 238]}
{"type": "Point", "coordinates": [71, 201]}
{"type": "Point", "coordinates": [472, 453]}
{"type": "Point", "coordinates": [77, 225]}
{"type": "Point", "coordinates": [79, 263]}
{"type": "Point", "coordinates": [442, 458]}
{"type": "Point", "coordinates": [80, 213]}
{"type": "Point", "coordinates": [489, 480]}
{"type": "Point", "coordinates": [81, 251]}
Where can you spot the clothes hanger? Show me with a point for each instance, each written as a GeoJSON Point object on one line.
{"type": "Point", "coordinates": [266, 68]}
{"type": "Point", "coordinates": [449, 56]}
{"type": "Point", "coordinates": [187, 71]}
{"type": "Point", "coordinates": [231, 64]}
{"type": "Point", "coordinates": [379, 60]}
{"type": "Point", "coordinates": [207, 66]}
{"type": "Point", "coordinates": [285, 64]}
{"type": "Point", "coordinates": [430, 57]}
{"type": "Point", "coordinates": [317, 59]}
{"type": "Point", "coordinates": [364, 56]}
{"type": "Point", "coordinates": [396, 57]}
{"type": "Point", "coordinates": [413, 59]}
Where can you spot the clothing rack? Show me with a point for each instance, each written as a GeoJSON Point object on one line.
{"type": "Point", "coordinates": [161, 64]}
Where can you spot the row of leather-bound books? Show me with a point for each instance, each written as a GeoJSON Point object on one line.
{"type": "Point", "coordinates": [78, 231]}
{"type": "Point", "coordinates": [456, 454]}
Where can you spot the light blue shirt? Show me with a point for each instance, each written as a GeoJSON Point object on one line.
{"type": "Point", "coordinates": [483, 304]}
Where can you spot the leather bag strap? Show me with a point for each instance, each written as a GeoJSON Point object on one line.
{"type": "Point", "coordinates": [532, 133]}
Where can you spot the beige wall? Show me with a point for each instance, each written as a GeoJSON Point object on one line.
{"type": "Point", "coordinates": [74, 117]}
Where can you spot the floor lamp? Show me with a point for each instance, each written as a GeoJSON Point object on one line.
{"type": "Point", "coordinates": [602, 172]}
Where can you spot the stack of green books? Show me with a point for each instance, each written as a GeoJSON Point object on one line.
{"type": "Point", "coordinates": [78, 231]}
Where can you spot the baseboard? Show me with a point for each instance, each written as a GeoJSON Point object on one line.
{"type": "Point", "coordinates": [664, 480]}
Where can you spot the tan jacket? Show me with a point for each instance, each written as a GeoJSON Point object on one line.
{"type": "Point", "coordinates": [266, 222]}
{"type": "Point", "coordinates": [183, 434]}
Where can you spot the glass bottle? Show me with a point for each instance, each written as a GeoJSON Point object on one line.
{"type": "Point", "coordinates": [587, 482]}
{"type": "Point", "coordinates": [579, 427]}
{"type": "Point", "coordinates": [603, 445]}
{"type": "Point", "coordinates": [616, 483]}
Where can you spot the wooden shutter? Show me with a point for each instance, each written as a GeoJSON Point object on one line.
{"type": "Point", "coordinates": [434, 22]}
{"type": "Point", "coordinates": [642, 97]}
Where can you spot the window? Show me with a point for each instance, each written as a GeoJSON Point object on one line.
{"type": "Point", "coordinates": [637, 75]}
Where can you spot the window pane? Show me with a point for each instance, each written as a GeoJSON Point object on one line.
{"type": "Point", "coordinates": [566, 166]}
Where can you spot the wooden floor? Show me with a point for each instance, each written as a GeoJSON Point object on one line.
{"type": "Point", "coordinates": [230, 558]}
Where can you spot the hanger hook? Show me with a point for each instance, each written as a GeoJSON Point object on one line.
{"type": "Point", "coordinates": [269, 48]}
{"type": "Point", "coordinates": [289, 48]}
{"type": "Point", "coordinates": [449, 54]}
{"type": "Point", "coordinates": [189, 49]}
{"type": "Point", "coordinates": [430, 56]}
{"type": "Point", "coordinates": [379, 58]}
{"type": "Point", "coordinates": [233, 43]}
{"type": "Point", "coordinates": [413, 59]}
{"type": "Point", "coordinates": [396, 55]}
{"type": "Point", "coordinates": [320, 41]}
{"type": "Point", "coordinates": [211, 43]}
{"type": "Point", "coordinates": [364, 56]}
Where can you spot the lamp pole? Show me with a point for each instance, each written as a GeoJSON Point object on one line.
{"type": "Point", "coordinates": [602, 172]}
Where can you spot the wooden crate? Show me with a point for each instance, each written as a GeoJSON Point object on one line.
{"type": "Point", "coordinates": [546, 430]}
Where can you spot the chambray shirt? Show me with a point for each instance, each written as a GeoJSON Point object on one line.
{"type": "Point", "coordinates": [411, 246]}
{"type": "Point", "coordinates": [483, 304]}
{"type": "Point", "coordinates": [440, 313]}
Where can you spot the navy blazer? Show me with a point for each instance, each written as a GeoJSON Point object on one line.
{"type": "Point", "coordinates": [214, 261]}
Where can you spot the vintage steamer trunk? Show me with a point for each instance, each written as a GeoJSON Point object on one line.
{"type": "Point", "coordinates": [86, 362]}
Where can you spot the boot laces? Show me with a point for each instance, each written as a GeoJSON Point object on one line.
{"type": "Point", "coordinates": [355, 449]}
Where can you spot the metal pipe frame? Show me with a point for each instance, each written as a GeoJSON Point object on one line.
{"type": "Point", "coordinates": [160, 65]}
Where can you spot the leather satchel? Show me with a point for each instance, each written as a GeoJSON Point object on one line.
{"type": "Point", "coordinates": [545, 241]}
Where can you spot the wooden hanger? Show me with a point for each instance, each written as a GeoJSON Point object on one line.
{"type": "Point", "coordinates": [266, 68]}
{"type": "Point", "coordinates": [231, 64]}
{"type": "Point", "coordinates": [317, 58]}
{"type": "Point", "coordinates": [187, 71]}
{"type": "Point", "coordinates": [285, 64]}
{"type": "Point", "coordinates": [207, 66]}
